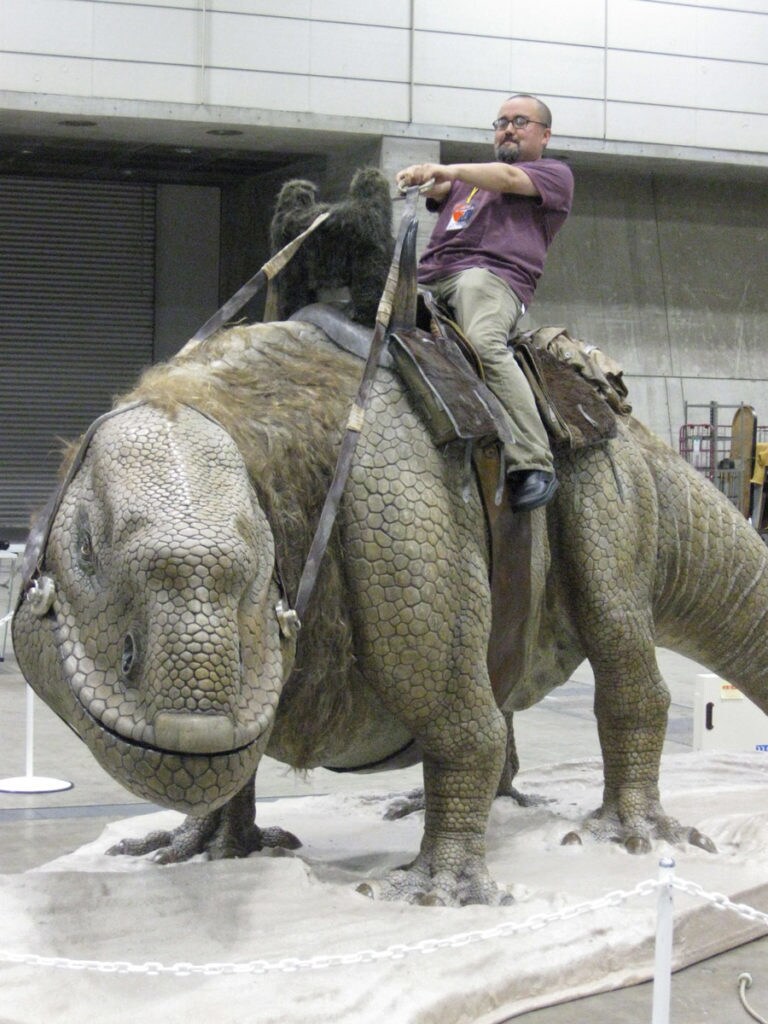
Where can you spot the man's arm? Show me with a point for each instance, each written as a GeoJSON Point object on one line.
{"type": "Point", "coordinates": [494, 177]}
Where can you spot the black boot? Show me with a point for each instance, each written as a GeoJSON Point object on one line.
{"type": "Point", "coordinates": [530, 488]}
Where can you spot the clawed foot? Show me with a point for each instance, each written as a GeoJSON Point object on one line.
{"type": "Point", "coordinates": [209, 835]}
{"type": "Point", "coordinates": [638, 832]}
{"type": "Point", "coordinates": [444, 877]}
{"type": "Point", "coordinates": [523, 799]}
{"type": "Point", "coordinates": [194, 836]}
{"type": "Point", "coordinates": [225, 833]}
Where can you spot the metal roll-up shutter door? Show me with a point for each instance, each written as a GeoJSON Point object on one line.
{"type": "Point", "coordinates": [76, 321]}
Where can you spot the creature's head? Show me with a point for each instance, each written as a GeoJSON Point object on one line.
{"type": "Point", "coordinates": [156, 639]}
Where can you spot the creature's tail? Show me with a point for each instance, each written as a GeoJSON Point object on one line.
{"type": "Point", "coordinates": [711, 602]}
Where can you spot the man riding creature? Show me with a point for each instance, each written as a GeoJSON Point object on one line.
{"type": "Point", "coordinates": [152, 623]}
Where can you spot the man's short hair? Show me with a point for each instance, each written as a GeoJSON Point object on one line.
{"type": "Point", "coordinates": [544, 112]}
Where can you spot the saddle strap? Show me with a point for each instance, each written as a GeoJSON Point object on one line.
{"type": "Point", "coordinates": [510, 536]}
{"type": "Point", "coordinates": [405, 252]}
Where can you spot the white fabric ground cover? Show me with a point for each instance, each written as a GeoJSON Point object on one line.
{"type": "Point", "coordinates": [304, 905]}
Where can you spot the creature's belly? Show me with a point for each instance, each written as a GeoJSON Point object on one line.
{"type": "Point", "coordinates": [370, 739]}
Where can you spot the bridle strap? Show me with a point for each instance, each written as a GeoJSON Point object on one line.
{"type": "Point", "coordinates": [34, 552]}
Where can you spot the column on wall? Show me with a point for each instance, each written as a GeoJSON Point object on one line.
{"type": "Point", "coordinates": [398, 153]}
{"type": "Point", "coordinates": [186, 263]}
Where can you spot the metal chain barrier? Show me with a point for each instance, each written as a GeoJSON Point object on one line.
{"type": "Point", "coordinates": [400, 950]}
{"type": "Point", "coordinates": [364, 956]}
{"type": "Point", "coordinates": [721, 902]}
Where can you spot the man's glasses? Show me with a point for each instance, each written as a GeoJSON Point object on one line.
{"type": "Point", "coordinates": [518, 121]}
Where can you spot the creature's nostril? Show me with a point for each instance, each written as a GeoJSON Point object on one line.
{"type": "Point", "coordinates": [128, 656]}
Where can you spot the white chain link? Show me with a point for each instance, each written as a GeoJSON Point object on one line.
{"type": "Point", "coordinates": [395, 952]}
{"type": "Point", "coordinates": [717, 899]}
{"type": "Point", "coordinates": [364, 956]}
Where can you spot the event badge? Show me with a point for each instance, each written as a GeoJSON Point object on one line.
{"type": "Point", "coordinates": [462, 213]}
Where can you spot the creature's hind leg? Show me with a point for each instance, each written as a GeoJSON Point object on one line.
{"type": "Point", "coordinates": [506, 785]}
{"type": "Point", "coordinates": [631, 703]}
{"type": "Point", "coordinates": [610, 563]}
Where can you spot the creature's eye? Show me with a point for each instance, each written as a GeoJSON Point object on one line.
{"type": "Point", "coordinates": [128, 656]}
{"type": "Point", "coordinates": [85, 556]}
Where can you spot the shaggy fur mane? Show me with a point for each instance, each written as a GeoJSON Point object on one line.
{"type": "Point", "coordinates": [351, 249]}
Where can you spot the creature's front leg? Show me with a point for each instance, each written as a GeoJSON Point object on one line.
{"type": "Point", "coordinates": [464, 742]}
{"type": "Point", "coordinates": [452, 857]}
{"type": "Point", "coordinates": [227, 832]}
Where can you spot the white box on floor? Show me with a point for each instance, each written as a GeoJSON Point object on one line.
{"type": "Point", "coordinates": [724, 719]}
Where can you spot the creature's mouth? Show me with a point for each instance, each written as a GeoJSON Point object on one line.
{"type": "Point", "coordinates": [189, 734]}
{"type": "Point", "coordinates": [123, 713]}
{"type": "Point", "coordinates": [145, 743]}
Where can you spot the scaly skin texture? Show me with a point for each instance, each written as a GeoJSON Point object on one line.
{"type": "Point", "coordinates": [158, 579]}
{"type": "Point", "coordinates": [162, 648]}
{"type": "Point", "coordinates": [642, 551]}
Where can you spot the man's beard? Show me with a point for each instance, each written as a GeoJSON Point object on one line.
{"type": "Point", "coordinates": [508, 152]}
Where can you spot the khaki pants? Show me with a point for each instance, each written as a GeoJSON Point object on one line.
{"type": "Point", "coordinates": [487, 310]}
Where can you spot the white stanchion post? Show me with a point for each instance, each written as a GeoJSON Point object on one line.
{"type": "Point", "coordinates": [662, 964]}
{"type": "Point", "coordinates": [29, 782]}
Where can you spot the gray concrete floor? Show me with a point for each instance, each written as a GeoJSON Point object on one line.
{"type": "Point", "coordinates": [36, 829]}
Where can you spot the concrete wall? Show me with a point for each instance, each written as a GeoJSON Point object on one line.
{"type": "Point", "coordinates": [661, 72]}
{"type": "Point", "coordinates": [666, 271]}
{"type": "Point", "coordinates": [669, 276]}
{"type": "Point", "coordinates": [187, 225]}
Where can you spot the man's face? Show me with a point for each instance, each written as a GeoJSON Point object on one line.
{"type": "Point", "coordinates": [515, 145]}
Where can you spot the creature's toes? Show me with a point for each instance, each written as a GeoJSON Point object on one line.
{"type": "Point", "coordinates": [527, 799]}
{"type": "Point", "coordinates": [167, 855]}
{"type": "Point", "coordinates": [140, 847]}
{"type": "Point", "coordinates": [637, 844]}
{"type": "Point", "coordinates": [676, 834]}
{"type": "Point", "coordinates": [120, 849]}
{"type": "Point", "coordinates": [637, 832]}
{"type": "Point", "coordinates": [406, 887]}
{"type": "Point", "coordinates": [696, 838]}
{"type": "Point", "coordinates": [521, 799]}
{"type": "Point", "coordinates": [432, 899]}
{"type": "Point", "coordinates": [414, 886]}
{"type": "Point", "coordinates": [276, 836]}
{"type": "Point", "coordinates": [406, 803]}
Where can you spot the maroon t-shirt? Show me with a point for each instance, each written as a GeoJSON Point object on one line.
{"type": "Point", "coordinates": [505, 233]}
